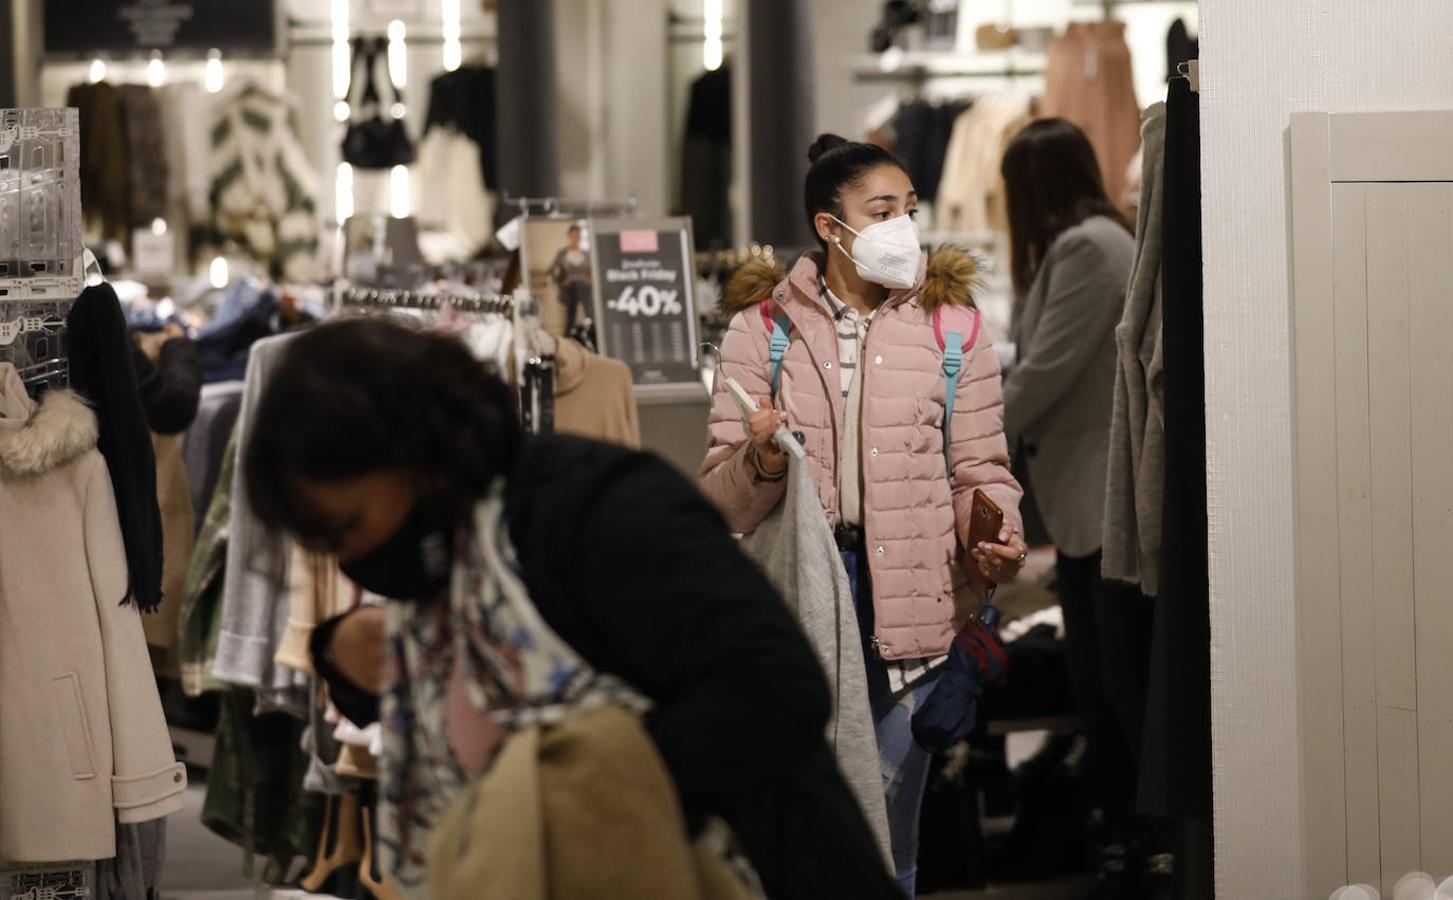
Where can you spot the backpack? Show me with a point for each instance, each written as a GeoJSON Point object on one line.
{"type": "Point", "coordinates": [955, 328]}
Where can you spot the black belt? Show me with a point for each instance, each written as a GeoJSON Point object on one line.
{"type": "Point", "coordinates": [849, 538]}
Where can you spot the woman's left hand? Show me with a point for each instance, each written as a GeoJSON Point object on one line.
{"type": "Point", "coordinates": [1001, 562]}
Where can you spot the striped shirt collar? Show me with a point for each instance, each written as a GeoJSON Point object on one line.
{"type": "Point", "coordinates": [838, 308]}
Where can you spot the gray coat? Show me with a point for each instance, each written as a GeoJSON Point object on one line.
{"type": "Point", "coordinates": [1134, 496]}
{"type": "Point", "coordinates": [1059, 396]}
{"type": "Point", "coordinates": [795, 547]}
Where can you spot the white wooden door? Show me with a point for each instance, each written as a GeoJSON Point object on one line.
{"type": "Point", "coordinates": [1372, 233]}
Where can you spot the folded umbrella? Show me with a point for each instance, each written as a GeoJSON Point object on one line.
{"type": "Point", "coordinates": [976, 661]}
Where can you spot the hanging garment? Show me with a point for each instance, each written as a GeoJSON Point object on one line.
{"type": "Point", "coordinates": [201, 619]}
{"type": "Point", "coordinates": [248, 313]}
{"type": "Point", "coordinates": [1129, 200]}
{"type": "Point", "coordinates": [83, 742]}
{"type": "Point", "coordinates": [451, 192]}
{"type": "Point", "coordinates": [146, 159]}
{"type": "Point", "coordinates": [184, 107]}
{"type": "Point", "coordinates": [795, 548]}
{"type": "Point", "coordinates": [1088, 81]}
{"type": "Point", "coordinates": [317, 591]}
{"type": "Point", "coordinates": [923, 131]}
{"type": "Point", "coordinates": [322, 749]}
{"type": "Point", "coordinates": [492, 341]}
{"type": "Point", "coordinates": [171, 387]}
{"type": "Point", "coordinates": [101, 371]}
{"type": "Point", "coordinates": [206, 439]}
{"type": "Point", "coordinates": [595, 396]}
{"type": "Point", "coordinates": [1176, 772]}
{"type": "Point", "coordinates": [1060, 395]}
{"type": "Point", "coordinates": [264, 191]}
{"type": "Point", "coordinates": [255, 795]}
{"type": "Point", "coordinates": [375, 138]}
{"type": "Point", "coordinates": [1134, 494]}
{"type": "Point", "coordinates": [136, 870]}
{"type": "Point", "coordinates": [971, 193]}
{"type": "Point", "coordinates": [706, 159]}
{"type": "Point", "coordinates": [178, 539]}
{"type": "Point", "coordinates": [465, 101]}
{"type": "Point", "coordinates": [103, 166]}
{"type": "Point", "coordinates": [1179, 47]}
{"type": "Point", "coordinates": [254, 593]}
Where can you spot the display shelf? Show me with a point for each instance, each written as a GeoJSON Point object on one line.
{"type": "Point", "coordinates": [927, 64]}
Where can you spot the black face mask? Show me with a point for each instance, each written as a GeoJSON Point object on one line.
{"type": "Point", "coordinates": [415, 562]}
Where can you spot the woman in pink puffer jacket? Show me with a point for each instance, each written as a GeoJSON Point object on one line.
{"type": "Point", "coordinates": [862, 388]}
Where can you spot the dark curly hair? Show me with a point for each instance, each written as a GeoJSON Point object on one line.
{"type": "Point", "coordinates": [366, 395]}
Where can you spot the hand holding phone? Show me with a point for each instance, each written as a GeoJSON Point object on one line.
{"type": "Point", "coordinates": [996, 549]}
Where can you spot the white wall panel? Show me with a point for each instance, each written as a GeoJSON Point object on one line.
{"type": "Point", "coordinates": [1261, 61]}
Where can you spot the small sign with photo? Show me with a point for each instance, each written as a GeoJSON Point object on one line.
{"type": "Point", "coordinates": [558, 255]}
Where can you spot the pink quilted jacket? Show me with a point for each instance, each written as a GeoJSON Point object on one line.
{"type": "Point", "coordinates": [915, 522]}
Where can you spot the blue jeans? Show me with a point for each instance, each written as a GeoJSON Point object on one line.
{"type": "Point", "coordinates": [905, 763]}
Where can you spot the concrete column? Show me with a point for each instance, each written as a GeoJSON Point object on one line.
{"type": "Point", "coordinates": [782, 115]}
{"type": "Point", "coordinates": [525, 108]}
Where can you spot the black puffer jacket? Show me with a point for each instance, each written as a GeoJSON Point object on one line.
{"type": "Point", "coordinates": [633, 568]}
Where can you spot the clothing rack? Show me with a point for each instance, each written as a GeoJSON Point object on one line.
{"type": "Point", "coordinates": [566, 206]}
{"type": "Point", "coordinates": [918, 74]}
{"type": "Point", "coordinates": [375, 298]}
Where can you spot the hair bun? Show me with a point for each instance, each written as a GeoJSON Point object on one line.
{"type": "Point", "coordinates": [824, 144]}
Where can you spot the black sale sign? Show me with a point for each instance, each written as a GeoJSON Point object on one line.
{"type": "Point", "coordinates": [645, 313]}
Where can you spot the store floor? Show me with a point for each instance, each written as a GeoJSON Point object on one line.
{"type": "Point", "coordinates": [202, 866]}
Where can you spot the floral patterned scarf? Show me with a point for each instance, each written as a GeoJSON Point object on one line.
{"type": "Point", "coordinates": [518, 672]}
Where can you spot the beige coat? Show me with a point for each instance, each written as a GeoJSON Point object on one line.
{"type": "Point", "coordinates": [595, 397]}
{"type": "Point", "coordinates": [174, 497]}
{"type": "Point", "coordinates": [82, 738]}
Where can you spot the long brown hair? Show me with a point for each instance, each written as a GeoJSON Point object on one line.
{"type": "Point", "coordinates": [1053, 183]}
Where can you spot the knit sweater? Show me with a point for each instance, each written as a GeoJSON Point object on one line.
{"type": "Point", "coordinates": [1134, 495]}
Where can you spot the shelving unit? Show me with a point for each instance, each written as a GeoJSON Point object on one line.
{"type": "Point", "coordinates": [923, 65]}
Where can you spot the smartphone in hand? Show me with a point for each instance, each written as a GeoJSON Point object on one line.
{"type": "Point", "coordinates": [988, 521]}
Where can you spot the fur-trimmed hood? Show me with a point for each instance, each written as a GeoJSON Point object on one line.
{"type": "Point", "coordinates": [38, 438]}
{"type": "Point", "coordinates": [949, 278]}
